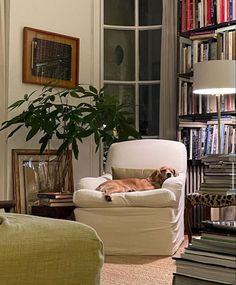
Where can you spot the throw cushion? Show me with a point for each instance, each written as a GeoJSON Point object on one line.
{"type": "Point", "coordinates": [123, 173]}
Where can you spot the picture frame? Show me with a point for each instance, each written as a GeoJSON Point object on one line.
{"type": "Point", "coordinates": [34, 173]}
{"type": "Point", "coordinates": [50, 58]}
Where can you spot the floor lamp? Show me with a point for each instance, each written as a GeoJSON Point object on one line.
{"type": "Point", "coordinates": [215, 77]}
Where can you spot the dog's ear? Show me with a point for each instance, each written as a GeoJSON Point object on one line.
{"type": "Point", "coordinates": [154, 174]}
{"type": "Point", "coordinates": [175, 172]}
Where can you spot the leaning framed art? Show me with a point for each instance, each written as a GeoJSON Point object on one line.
{"type": "Point", "coordinates": [50, 58]}
{"type": "Point", "coordinates": [34, 173]}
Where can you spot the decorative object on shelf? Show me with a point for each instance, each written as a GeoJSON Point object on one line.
{"type": "Point", "coordinates": [35, 173]}
{"type": "Point", "coordinates": [215, 77]}
{"type": "Point", "coordinates": [51, 57]}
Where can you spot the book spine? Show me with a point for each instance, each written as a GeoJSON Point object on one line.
{"type": "Point", "coordinates": [234, 9]}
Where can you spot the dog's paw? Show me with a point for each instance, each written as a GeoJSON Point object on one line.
{"type": "Point", "coordinates": [108, 198]}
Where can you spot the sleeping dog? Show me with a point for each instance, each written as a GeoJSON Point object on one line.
{"type": "Point", "coordinates": [154, 181]}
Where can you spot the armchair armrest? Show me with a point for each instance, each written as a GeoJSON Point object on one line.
{"type": "Point", "coordinates": [175, 185]}
{"type": "Point", "coordinates": [92, 182]}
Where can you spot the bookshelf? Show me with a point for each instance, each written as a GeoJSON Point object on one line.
{"type": "Point", "coordinates": [206, 31]}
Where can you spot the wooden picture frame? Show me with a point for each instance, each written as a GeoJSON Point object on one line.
{"type": "Point", "coordinates": [50, 58]}
{"type": "Point", "coordinates": [31, 175]}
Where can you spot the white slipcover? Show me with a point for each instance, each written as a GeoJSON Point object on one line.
{"type": "Point", "coordinates": [144, 223]}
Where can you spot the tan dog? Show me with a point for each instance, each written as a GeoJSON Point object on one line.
{"type": "Point", "coordinates": [154, 181]}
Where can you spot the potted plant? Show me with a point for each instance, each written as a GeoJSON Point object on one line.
{"type": "Point", "coordinates": [67, 116]}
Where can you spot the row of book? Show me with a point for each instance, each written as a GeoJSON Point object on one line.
{"type": "Point", "coordinates": [213, 45]}
{"type": "Point", "coordinates": [196, 14]}
{"type": "Point", "coordinates": [209, 258]}
{"type": "Point", "coordinates": [55, 199]}
{"type": "Point", "coordinates": [201, 139]}
{"type": "Point", "coordinates": [190, 103]}
{"type": "Point", "coordinates": [219, 174]}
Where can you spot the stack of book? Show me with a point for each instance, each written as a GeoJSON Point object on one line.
{"type": "Point", "coordinates": [219, 174]}
{"type": "Point", "coordinates": [55, 199]}
{"type": "Point", "coordinates": [209, 259]}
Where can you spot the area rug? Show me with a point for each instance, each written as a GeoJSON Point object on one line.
{"type": "Point", "coordinates": [139, 270]}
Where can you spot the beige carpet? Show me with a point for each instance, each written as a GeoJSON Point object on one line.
{"type": "Point", "coordinates": [139, 270]}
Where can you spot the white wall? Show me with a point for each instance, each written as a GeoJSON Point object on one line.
{"type": "Point", "coordinates": [77, 18]}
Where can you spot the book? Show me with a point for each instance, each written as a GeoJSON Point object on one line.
{"type": "Point", "coordinates": [191, 124]}
{"type": "Point", "coordinates": [58, 204]}
{"type": "Point", "coordinates": [209, 272]}
{"type": "Point", "coordinates": [229, 175]}
{"type": "Point", "coordinates": [219, 157]}
{"type": "Point", "coordinates": [185, 279]}
{"type": "Point", "coordinates": [54, 195]}
{"type": "Point", "coordinates": [60, 200]}
{"type": "Point", "coordinates": [222, 165]}
{"type": "Point", "coordinates": [209, 257]}
{"type": "Point", "coordinates": [219, 181]}
{"type": "Point", "coordinates": [219, 170]}
{"type": "Point", "coordinates": [221, 226]}
{"type": "Point", "coordinates": [220, 237]}
{"type": "Point", "coordinates": [213, 246]}
{"type": "Point", "coordinates": [217, 191]}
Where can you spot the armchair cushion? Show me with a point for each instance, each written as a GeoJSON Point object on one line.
{"type": "Point", "coordinates": [152, 198]}
{"type": "Point", "coordinates": [122, 173]}
{"type": "Point", "coordinates": [167, 196]}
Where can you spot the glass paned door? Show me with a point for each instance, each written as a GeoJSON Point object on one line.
{"type": "Point", "coordinates": [125, 94]}
{"type": "Point", "coordinates": [119, 56]}
{"type": "Point", "coordinates": [119, 12]}
{"type": "Point", "coordinates": [150, 12]}
{"type": "Point", "coordinates": [132, 58]}
{"type": "Point", "coordinates": [149, 55]}
{"type": "Point", "coordinates": [149, 101]}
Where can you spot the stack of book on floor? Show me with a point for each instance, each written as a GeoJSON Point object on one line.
{"type": "Point", "coordinates": [55, 199]}
{"type": "Point", "coordinates": [219, 174]}
{"type": "Point", "coordinates": [209, 259]}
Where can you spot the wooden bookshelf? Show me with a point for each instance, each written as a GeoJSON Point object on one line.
{"type": "Point", "coordinates": [205, 32]}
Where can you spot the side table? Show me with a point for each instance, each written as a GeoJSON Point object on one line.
{"type": "Point", "coordinates": [7, 205]}
{"type": "Point", "coordinates": [209, 200]}
{"type": "Point", "coordinates": [62, 212]}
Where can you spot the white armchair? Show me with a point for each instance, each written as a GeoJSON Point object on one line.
{"type": "Point", "coordinates": [138, 223]}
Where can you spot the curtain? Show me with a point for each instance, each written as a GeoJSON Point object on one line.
{"type": "Point", "coordinates": [168, 85]}
{"type": "Point", "coordinates": [3, 106]}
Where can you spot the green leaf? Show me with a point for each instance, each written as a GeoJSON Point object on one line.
{"type": "Point", "coordinates": [74, 94]}
{"type": "Point", "coordinates": [75, 148]}
{"type": "Point", "coordinates": [93, 89]}
{"type": "Point", "coordinates": [16, 104]}
{"type": "Point", "coordinates": [15, 130]}
{"type": "Point", "coordinates": [32, 132]}
{"type": "Point", "coordinates": [44, 142]}
{"type": "Point", "coordinates": [79, 89]}
{"type": "Point", "coordinates": [63, 147]}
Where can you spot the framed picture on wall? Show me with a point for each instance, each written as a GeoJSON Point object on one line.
{"type": "Point", "coordinates": [50, 58]}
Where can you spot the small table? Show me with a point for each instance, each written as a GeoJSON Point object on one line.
{"type": "Point", "coordinates": [7, 205]}
{"type": "Point", "coordinates": [209, 200]}
{"type": "Point", "coordinates": [62, 212]}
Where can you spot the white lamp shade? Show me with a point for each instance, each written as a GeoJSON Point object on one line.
{"type": "Point", "coordinates": [214, 77]}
